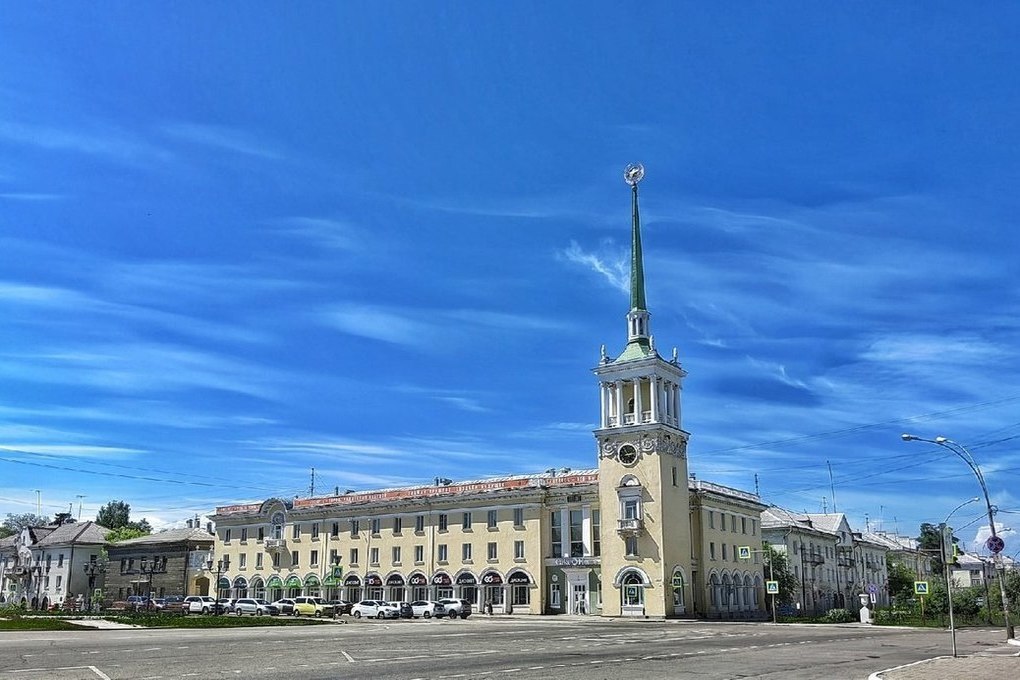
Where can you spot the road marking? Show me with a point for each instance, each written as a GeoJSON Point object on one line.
{"type": "Point", "coordinates": [347, 656]}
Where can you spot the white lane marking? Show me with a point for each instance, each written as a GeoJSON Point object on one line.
{"type": "Point", "coordinates": [347, 656]}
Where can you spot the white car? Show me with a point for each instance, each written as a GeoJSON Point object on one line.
{"type": "Point", "coordinates": [426, 609]}
{"type": "Point", "coordinates": [375, 609]}
{"type": "Point", "coordinates": [199, 604]}
{"type": "Point", "coordinates": [253, 606]}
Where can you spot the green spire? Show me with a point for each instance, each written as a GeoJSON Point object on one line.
{"type": "Point", "coordinates": [637, 270]}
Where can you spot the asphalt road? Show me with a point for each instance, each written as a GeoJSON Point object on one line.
{"type": "Point", "coordinates": [549, 647]}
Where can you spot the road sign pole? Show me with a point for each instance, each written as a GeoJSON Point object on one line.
{"type": "Point", "coordinates": [949, 586]}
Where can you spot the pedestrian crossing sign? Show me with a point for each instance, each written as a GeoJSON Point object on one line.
{"type": "Point", "coordinates": [772, 587]}
{"type": "Point", "coordinates": [744, 552]}
{"type": "Point", "coordinates": [920, 587]}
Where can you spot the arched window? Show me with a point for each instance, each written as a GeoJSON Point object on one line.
{"type": "Point", "coordinates": [727, 588]}
{"type": "Point", "coordinates": [748, 590]}
{"type": "Point", "coordinates": [714, 591]}
{"type": "Point", "coordinates": [678, 588]}
{"type": "Point", "coordinates": [632, 591]}
{"type": "Point", "coordinates": [757, 588]}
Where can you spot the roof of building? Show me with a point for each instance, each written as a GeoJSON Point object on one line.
{"type": "Point", "coordinates": [828, 521]}
{"type": "Point", "coordinates": [170, 536]}
{"type": "Point", "coordinates": [893, 542]}
{"type": "Point", "coordinates": [75, 532]}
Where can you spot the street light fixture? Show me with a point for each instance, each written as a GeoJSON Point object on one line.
{"type": "Point", "coordinates": [945, 565]}
{"type": "Point", "coordinates": [219, 570]}
{"type": "Point", "coordinates": [148, 568]}
{"type": "Point", "coordinates": [92, 569]}
{"type": "Point", "coordinates": [961, 451]}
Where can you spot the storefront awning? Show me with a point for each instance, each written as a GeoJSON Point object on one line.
{"type": "Point", "coordinates": [330, 582]}
{"type": "Point", "coordinates": [312, 581]}
{"type": "Point", "coordinates": [466, 580]}
{"type": "Point", "coordinates": [240, 582]}
{"type": "Point", "coordinates": [394, 580]}
{"type": "Point", "coordinates": [274, 582]}
{"type": "Point", "coordinates": [373, 580]}
{"type": "Point", "coordinates": [417, 580]}
{"type": "Point", "coordinates": [292, 582]}
{"type": "Point", "coordinates": [492, 579]}
{"type": "Point", "coordinates": [223, 583]}
{"type": "Point", "coordinates": [518, 578]}
{"type": "Point", "coordinates": [441, 579]}
{"type": "Point", "coordinates": [352, 580]}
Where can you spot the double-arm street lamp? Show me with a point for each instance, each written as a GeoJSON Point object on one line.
{"type": "Point", "coordinates": [961, 451]}
{"type": "Point", "coordinates": [148, 568]}
{"type": "Point", "coordinates": [219, 570]}
{"type": "Point", "coordinates": [92, 569]}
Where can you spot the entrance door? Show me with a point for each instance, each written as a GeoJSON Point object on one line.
{"type": "Point", "coordinates": [579, 598]}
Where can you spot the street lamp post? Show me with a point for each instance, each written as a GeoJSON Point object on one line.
{"type": "Point", "coordinates": [945, 567]}
{"type": "Point", "coordinates": [961, 451]}
{"type": "Point", "coordinates": [92, 569]}
{"type": "Point", "coordinates": [148, 568]}
{"type": "Point", "coordinates": [219, 570]}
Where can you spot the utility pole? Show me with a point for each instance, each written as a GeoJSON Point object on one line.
{"type": "Point", "coordinates": [311, 487]}
{"type": "Point", "coordinates": [79, 497]}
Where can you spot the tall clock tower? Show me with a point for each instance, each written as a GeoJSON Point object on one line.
{"type": "Point", "coordinates": [642, 449]}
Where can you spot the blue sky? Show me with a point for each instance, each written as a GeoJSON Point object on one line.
{"type": "Point", "coordinates": [238, 241]}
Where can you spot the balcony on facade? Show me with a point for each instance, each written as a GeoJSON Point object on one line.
{"type": "Point", "coordinates": [814, 558]}
{"type": "Point", "coordinates": [630, 526]}
{"type": "Point", "coordinates": [275, 545]}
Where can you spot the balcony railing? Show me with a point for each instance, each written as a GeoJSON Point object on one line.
{"type": "Point", "coordinates": [630, 526]}
{"type": "Point", "coordinates": [276, 544]}
{"type": "Point", "coordinates": [814, 558]}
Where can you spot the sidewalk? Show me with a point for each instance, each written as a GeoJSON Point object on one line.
{"type": "Point", "coordinates": [1004, 665]}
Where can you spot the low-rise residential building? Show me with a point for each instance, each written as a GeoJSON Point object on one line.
{"type": "Point", "coordinates": [45, 566]}
{"type": "Point", "coordinates": [174, 562]}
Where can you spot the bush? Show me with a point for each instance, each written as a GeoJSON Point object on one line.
{"type": "Point", "coordinates": [839, 616]}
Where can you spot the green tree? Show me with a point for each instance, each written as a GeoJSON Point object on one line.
{"type": "Point", "coordinates": [124, 533]}
{"type": "Point", "coordinates": [788, 583]}
{"type": "Point", "coordinates": [901, 580]}
{"type": "Point", "coordinates": [117, 514]}
{"type": "Point", "coordinates": [930, 541]}
{"type": "Point", "coordinates": [16, 522]}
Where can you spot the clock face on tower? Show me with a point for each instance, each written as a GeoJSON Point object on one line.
{"type": "Point", "coordinates": [628, 454]}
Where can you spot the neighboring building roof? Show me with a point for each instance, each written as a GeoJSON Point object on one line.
{"type": "Point", "coordinates": [8, 542]}
{"type": "Point", "coordinates": [891, 541]}
{"type": "Point", "coordinates": [171, 536]}
{"type": "Point", "coordinates": [828, 522]}
{"type": "Point", "coordinates": [77, 532]}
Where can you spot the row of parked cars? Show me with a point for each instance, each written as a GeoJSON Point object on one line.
{"type": "Point", "coordinates": [318, 607]}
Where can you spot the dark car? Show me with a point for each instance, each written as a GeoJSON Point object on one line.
{"type": "Point", "coordinates": [174, 603]}
{"type": "Point", "coordinates": [405, 609]}
{"type": "Point", "coordinates": [340, 607]}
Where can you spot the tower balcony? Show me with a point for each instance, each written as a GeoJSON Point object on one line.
{"type": "Point", "coordinates": [630, 527]}
{"type": "Point", "coordinates": [276, 545]}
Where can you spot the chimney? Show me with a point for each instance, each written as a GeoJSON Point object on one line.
{"type": "Point", "coordinates": [209, 528]}
{"type": "Point", "coordinates": [190, 525]}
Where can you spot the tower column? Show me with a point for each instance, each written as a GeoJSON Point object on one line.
{"type": "Point", "coordinates": [605, 406]}
{"type": "Point", "coordinates": [619, 403]}
{"type": "Point", "coordinates": [675, 398]}
{"type": "Point", "coordinates": [638, 406]}
{"type": "Point", "coordinates": [653, 392]}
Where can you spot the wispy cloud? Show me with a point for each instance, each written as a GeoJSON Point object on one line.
{"type": "Point", "coordinates": [109, 142]}
{"type": "Point", "coordinates": [33, 197]}
{"type": "Point", "coordinates": [322, 231]}
{"type": "Point", "coordinates": [222, 137]}
{"type": "Point", "coordinates": [377, 323]}
{"type": "Point", "coordinates": [611, 263]}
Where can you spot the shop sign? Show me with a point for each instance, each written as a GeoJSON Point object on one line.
{"type": "Point", "coordinates": [417, 580]}
{"type": "Point", "coordinates": [394, 580]}
{"type": "Point", "coordinates": [441, 580]}
{"type": "Point", "coordinates": [466, 580]}
{"type": "Point", "coordinates": [517, 578]}
{"type": "Point", "coordinates": [492, 579]}
{"type": "Point", "coordinates": [576, 561]}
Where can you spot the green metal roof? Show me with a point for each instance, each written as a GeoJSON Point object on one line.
{"type": "Point", "coordinates": [637, 349]}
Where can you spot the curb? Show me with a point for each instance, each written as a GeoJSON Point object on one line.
{"type": "Point", "coordinates": [877, 675]}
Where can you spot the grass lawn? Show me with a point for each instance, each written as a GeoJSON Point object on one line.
{"type": "Point", "coordinates": [37, 624]}
{"type": "Point", "coordinates": [205, 621]}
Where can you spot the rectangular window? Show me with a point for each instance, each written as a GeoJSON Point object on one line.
{"type": "Point", "coordinates": [711, 551]}
{"type": "Point", "coordinates": [754, 527]}
{"type": "Point", "coordinates": [60, 560]}
{"type": "Point", "coordinates": [631, 545]}
{"type": "Point", "coordinates": [262, 533]}
{"type": "Point", "coordinates": [443, 520]}
{"type": "Point", "coordinates": [722, 520]}
{"type": "Point", "coordinates": [518, 517]}
{"type": "Point", "coordinates": [492, 519]}
{"type": "Point", "coordinates": [596, 533]}
{"type": "Point", "coordinates": [315, 531]}
{"type": "Point", "coordinates": [444, 553]}
{"type": "Point", "coordinates": [398, 526]}
{"type": "Point", "coordinates": [743, 525]}
{"type": "Point", "coordinates": [334, 556]}
{"type": "Point", "coordinates": [373, 556]}
{"type": "Point", "coordinates": [355, 527]}
{"type": "Point", "coordinates": [354, 555]}
{"type": "Point", "coordinates": [630, 509]}
{"type": "Point", "coordinates": [492, 551]}
{"type": "Point", "coordinates": [242, 561]}
{"type": "Point", "coordinates": [724, 552]}
{"type": "Point", "coordinates": [244, 534]}
{"type": "Point", "coordinates": [518, 550]}
{"type": "Point", "coordinates": [711, 519]}
{"type": "Point", "coordinates": [335, 530]}
{"type": "Point", "coordinates": [294, 558]}
{"type": "Point", "coordinates": [60, 580]}
{"type": "Point", "coordinates": [276, 560]}
{"type": "Point", "coordinates": [576, 534]}
{"type": "Point", "coordinates": [675, 477]}
{"type": "Point", "coordinates": [466, 523]}
{"type": "Point", "coordinates": [556, 531]}
{"type": "Point", "coordinates": [297, 531]}
{"type": "Point", "coordinates": [376, 526]}
{"type": "Point", "coordinates": [314, 559]}
{"type": "Point", "coordinates": [733, 523]}
{"type": "Point", "coordinates": [226, 536]}
{"type": "Point", "coordinates": [396, 554]}
{"type": "Point", "coordinates": [465, 552]}
{"type": "Point", "coordinates": [419, 554]}
{"type": "Point", "coordinates": [419, 524]}
{"type": "Point", "coordinates": [258, 560]}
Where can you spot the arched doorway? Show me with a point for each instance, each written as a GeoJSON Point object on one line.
{"type": "Point", "coordinates": [632, 583]}
{"type": "Point", "coordinates": [493, 592]}
{"type": "Point", "coordinates": [678, 583]}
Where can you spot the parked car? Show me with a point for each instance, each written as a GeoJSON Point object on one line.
{"type": "Point", "coordinates": [159, 603]}
{"type": "Point", "coordinates": [374, 609]}
{"type": "Point", "coordinates": [404, 608]}
{"type": "Point", "coordinates": [456, 607]}
{"type": "Point", "coordinates": [225, 605]}
{"type": "Point", "coordinates": [426, 609]}
{"type": "Point", "coordinates": [255, 607]}
{"type": "Point", "coordinates": [340, 607]}
{"type": "Point", "coordinates": [312, 606]}
{"type": "Point", "coordinates": [285, 605]}
{"type": "Point", "coordinates": [199, 604]}
{"type": "Point", "coordinates": [173, 603]}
